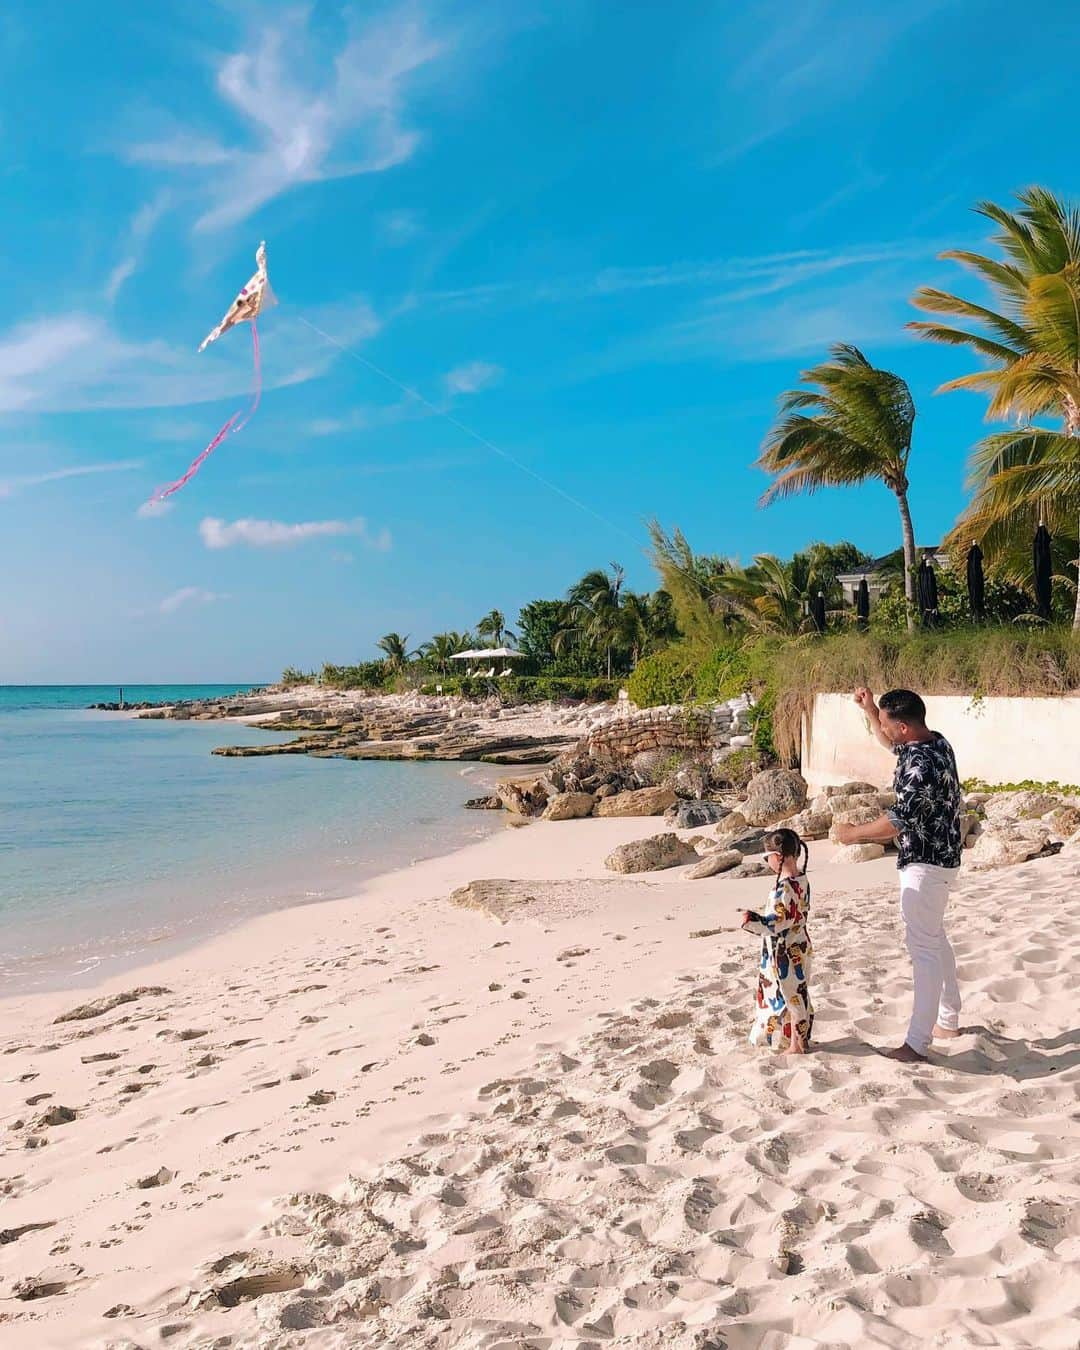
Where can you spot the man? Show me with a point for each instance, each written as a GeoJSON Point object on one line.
{"type": "Point", "coordinates": [926, 825]}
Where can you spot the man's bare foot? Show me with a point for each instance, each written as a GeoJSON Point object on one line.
{"type": "Point", "coordinates": [904, 1054]}
{"type": "Point", "coordinates": [945, 1033]}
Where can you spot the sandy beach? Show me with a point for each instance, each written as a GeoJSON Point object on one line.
{"type": "Point", "coordinates": [396, 1121]}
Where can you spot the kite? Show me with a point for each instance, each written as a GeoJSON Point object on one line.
{"type": "Point", "coordinates": [253, 298]}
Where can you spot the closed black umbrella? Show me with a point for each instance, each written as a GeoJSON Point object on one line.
{"type": "Point", "coordinates": [976, 584]}
{"type": "Point", "coordinates": [817, 611]}
{"type": "Point", "coordinates": [862, 605]}
{"type": "Point", "coordinates": [1043, 571]}
{"type": "Point", "coordinates": [928, 597]}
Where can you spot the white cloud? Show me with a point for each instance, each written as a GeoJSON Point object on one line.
{"type": "Point", "coordinates": [188, 595]}
{"type": "Point", "coordinates": [9, 486]}
{"type": "Point", "coordinates": [142, 226]}
{"type": "Point", "coordinates": [75, 362]}
{"type": "Point", "coordinates": [471, 378]}
{"type": "Point", "coordinates": [400, 227]}
{"type": "Point", "coordinates": [218, 533]}
{"type": "Point", "coordinates": [312, 116]}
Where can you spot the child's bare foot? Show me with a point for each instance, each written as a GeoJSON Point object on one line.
{"type": "Point", "coordinates": [797, 1046]}
{"type": "Point", "coordinates": [945, 1033]}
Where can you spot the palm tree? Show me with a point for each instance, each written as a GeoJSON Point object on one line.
{"type": "Point", "coordinates": [493, 627]}
{"type": "Point", "coordinates": [692, 581]}
{"type": "Point", "coordinates": [395, 648]}
{"type": "Point", "coordinates": [438, 650]}
{"type": "Point", "coordinates": [1032, 343]}
{"type": "Point", "coordinates": [854, 426]}
{"type": "Point", "coordinates": [766, 596]}
{"type": "Point", "coordinates": [593, 612]}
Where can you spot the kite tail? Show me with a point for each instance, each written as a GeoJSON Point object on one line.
{"type": "Point", "coordinates": [236, 423]}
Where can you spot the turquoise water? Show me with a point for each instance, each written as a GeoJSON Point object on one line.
{"type": "Point", "coordinates": [117, 833]}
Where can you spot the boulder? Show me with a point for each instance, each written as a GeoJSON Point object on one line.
{"type": "Point", "coordinates": [569, 806]}
{"type": "Point", "coordinates": [1072, 845]}
{"type": "Point", "coordinates": [857, 853]}
{"type": "Point", "coordinates": [849, 789]}
{"type": "Point", "coordinates": [856, 799]}
{"type": "Point", "coordinates": [733, 823]}
{"type": "Point", "coordinates": [774, 795]}
{"type": "Point", "coordinates": [1004, 807]}
{"type": "Point", "coordinates": [649, 801]}
{"type": "Point", "coordinates": [858, 815]}
{"type": "Point", "coordinates": [1063, 822]}
{"type": "Point", "coordinates": [522, 798]}
{"type": "Point", "coordinates": [810, 824]}
{"type": "Point", "coordinates": [606, 790]}
{"type": "Point", "coordinates": [650, 855]}
{"type": "Point", "coordinates": [492, 803]}
{"type": "Point", "coordinates": [751, 841]}
{"type": "Point", "coordinates": [693, 815]}
{"type": "Point", "coordinates": [823, 803]}
{"type": "Point", "coordinates": [1003, 845]}
{"type": "Point", "coordinates": [752, 867]}
{"type": "Point", "coordinates": [721, 860]}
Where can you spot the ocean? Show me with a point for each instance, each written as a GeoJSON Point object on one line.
{"type": "Point", "coordinates": [118, 835]}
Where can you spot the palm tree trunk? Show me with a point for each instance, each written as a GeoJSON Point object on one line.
{"type": "Point", "coordinates": [1076, 611]}
{"type": "Point", "coordinates": [909, 555]}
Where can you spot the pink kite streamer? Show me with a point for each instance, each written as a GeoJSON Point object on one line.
{"type": "Point", "coordinates": [236, 423]}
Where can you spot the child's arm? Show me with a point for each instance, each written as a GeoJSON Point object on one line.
{"type": "Point", "coordinates": [774, 924]}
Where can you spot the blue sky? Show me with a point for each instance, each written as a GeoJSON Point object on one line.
{"type": "Point", "coordinates": [602, 236]}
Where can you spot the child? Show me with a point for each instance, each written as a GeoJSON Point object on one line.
{"type": "Point", "coordinates": [785, 1015]}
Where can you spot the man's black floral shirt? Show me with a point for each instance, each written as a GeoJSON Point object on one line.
{"type": "Point", "coordinates": [928, 804]}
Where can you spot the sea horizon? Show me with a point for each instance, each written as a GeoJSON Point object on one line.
{"type": "Point", "coordinates": [119, 835]}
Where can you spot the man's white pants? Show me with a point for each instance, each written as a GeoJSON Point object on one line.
{"type": "Point", "coordinates": [924, 893]}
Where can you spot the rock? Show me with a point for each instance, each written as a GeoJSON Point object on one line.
{"type": "Point", "coordinates": [742, 742]}
{"type": "Point", "coordinates": [651, 855]}
{"type": "Point", "coordinates": [1003, 807]}
{"type": "Point", "coordinates": [492, 803]}
{"type": "Point", "coordinates": [522, 798]}
{"type": "Point", "coordinates": [856, 853]}
{"type": "Point", "coordinates": [858, 815]}
{"type": "Point", "coordinates": [58, 1115]}
{"type": "Point", "coordinates": [693, 815]}
{"type": "Point", "coordinates": [733, 823]}
{"type": "Point", "coordinates": [857, 799]}
{"type": "Point", "coordinates": [161, 1177]}
{"type": "Point", "coordinates": [822, 803]}
{"type": "Point", "coordinates": [750, 841]}
{"type": "Point", "coordinates": [886, 799]}
{"type": "Point", "coordinates": [1004, 845]}
{"type": "Point", "coordinates": [649, 801]}
{"type": "Point", "coordinates": [774, 795]}
{"type": "Point", "coordinates": [722, 860]}
{"type": "Point", "coordinates": [1063, 822]}
{"type": "Point", "coordinates": [752, 867]}
{"type": "Point", "coordinates": [1072, 845]}
{"type": "Point", "coordinates": [849, 789]}
{"type": "Point", "coordinates": [569, 806]}
{"type": "Point", "coordinates": [106, 1004]}
{"type": "Point", "coordinates": [606, 790]}
{"type": "Point", "coordinates": [976, 799]}
{"type": "Point", "coordinates": [810, 824]}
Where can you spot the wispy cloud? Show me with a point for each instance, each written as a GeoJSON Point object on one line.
{"type": "Point", "coordinates": [139, 232]}
{"type": "Point", "coordinates": [400, 227]}
{"type": "Point", "coordinates": [471, 378]}
{"type": "Point", "coordinates": [218, 533]}
{"type": "Point", "coordinates": [311, 115]}
{"type": "Point", "coordinates": [17, 483]}
{"type": "Point", "coordinates": [77, 362]}
{"type": "Point", "coordinates": [741, 276]}
{"type": "Point", "coordinates": [188, 595]}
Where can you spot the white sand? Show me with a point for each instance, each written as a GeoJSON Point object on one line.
{"type": "Point", "coordinates": [349, 1100]}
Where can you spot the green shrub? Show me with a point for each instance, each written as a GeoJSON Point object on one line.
{"type": "Point", "coordinates": [737, 769]}
{"type": "Point", "coordinates": [291, 676]}
{"type": "Point", "coordinates": [374, 675]}
{"type": "Point", "coordinates": [667, 677]}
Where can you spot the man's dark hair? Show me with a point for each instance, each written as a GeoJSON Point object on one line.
{"type": "Point", "coordinates": [904, 706]}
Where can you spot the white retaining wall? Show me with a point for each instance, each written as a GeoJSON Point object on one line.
{"type": "Point", "coordinates": [999, 740]}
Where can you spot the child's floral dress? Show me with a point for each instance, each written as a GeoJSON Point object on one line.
{"type": "Point", "coordinates": [783, 987]}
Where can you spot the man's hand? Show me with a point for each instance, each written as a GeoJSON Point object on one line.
{"type": "Point", "coordinates": [865, 700]}
{"type": "Point", "coordinates": [845, 834]}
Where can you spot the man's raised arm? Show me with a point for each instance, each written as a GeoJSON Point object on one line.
{"type": "Point", "coordinates": [865, 700]}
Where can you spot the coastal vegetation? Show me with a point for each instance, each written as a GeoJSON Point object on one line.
{"type": "Point", "coordinates": [715, 627]}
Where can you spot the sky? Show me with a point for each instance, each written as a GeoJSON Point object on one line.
{"type": "Point", "coordinates": [597, 240]}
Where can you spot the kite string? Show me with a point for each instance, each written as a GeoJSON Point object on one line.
{"type": "Point", "coordinates": [236, 423]}
{"type": "Point", "coordinates": [467, 430]}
